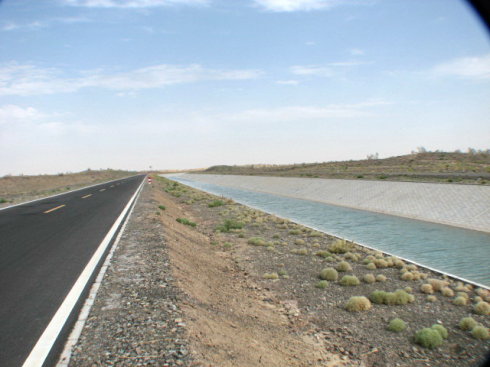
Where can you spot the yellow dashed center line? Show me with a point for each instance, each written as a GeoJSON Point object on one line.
{"type": "Point", "coordinates": [86, 196]}
{"type": "Point", "coordinates": [102, 190]}
{"type": "Point", "coordinates": [52, 210]}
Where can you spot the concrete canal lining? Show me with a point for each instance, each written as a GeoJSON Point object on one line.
{"type": "Point", "coordinates": [465, 206]}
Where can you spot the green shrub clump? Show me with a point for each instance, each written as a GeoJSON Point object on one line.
{"type": "Point", "coordinates": [324, 254]}
{"type": "Point", "coordinates": [460, 301]}
{"type": "Point", "coordinates": [294, 231]}
{"type": "Point", "coordinates": [380, 278]}
{"type": "Point", "coordinates": [371, 266]}
{"type": "Point", "coordinates": [441, 330]}
{"type": "Point", "coordinates": [257, 241]}
{"type": "Point", "coordinates": [161, 207]}
{"type": "Point", "coordinates": [322, 284]}
{"type": "Point", "coordinates": [467, 323]}
{"type": "Point", "coordinates": [329, 274]}
{"type": "Point", "coordinates": [397, 325]}
{"type": "Point", "coordinates": [480, 332]}
{"type": "Point", "coordinates": [185, 221]}
{"type": "Point", "coordinates": [399, 297]}
{"type": "Point", "coordinates": [369, 278]}
{"type": "Point", "coordinates": [428, 338]}
{"type": "Point", "coordinates": [216, 203]}
{"type": "Point", "coordinates": [482, 308]}
{"type": "Point", "coordinates": [271, 276]}
{"type": "Point", "coordinates": [358, 303]}
{"type": "Point", "coordinates": [228, 225]}
{"type": "Point", "coordinates": [299, 242]}
{"type": "Point", "coordinates": [340, 247]}
{"type": "Point", "coordinates": [349, 280]}
{"type": "Point", "coordinates": [344, 266]}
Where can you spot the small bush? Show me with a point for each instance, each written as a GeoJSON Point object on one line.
{"type": "Point", "coordinates": [216, 203]}
{"type": "Point", "coordinates": [467, 323]}
{"type": "Point", "coordinates": [323, 254]}
{"type": "Point", "coordinates": [480, 332]}
{"type": "Point", "coordinates": [349, 280]}
{"type": "Point", "coordinates": [380, 278]}
{"type": "Point", "coordinates": [482, 308]}
{"type": "Point", "coordinates": [322, 284]}
{"type": "Point", "coordinates": [426, 288]}
{"type": "Point", "coordinates": [257, 241]}
{"type": "Point", "coordinates": [437, 284]}
{"type": "Point", "coordinates": [294, 231]}
{"type": "Point", "coordinates": [407, 276]}
{"type": "Point", "coordinates": [411, 267]}
{"type": "Point", "coordinates": [276, 236]}
{"type": "Point", "coordinates": [282, 272]}
{"type": "Point", "coordinates": [329, 274]}
{"type": "Point", "coordinates": [460, 301]}
{"type": "Point", "coordinates": [227, 245]}
{"type": "Point", "coordinates": [431, 298]}
{"type": "Point", "coordinates": [371, 266]}
{"type": "Point", "coordinates": [271, 276]}
{"type": "Point", "coordinates": [300, 251]}
{"type": "Point", "coordinates": [315, 234]}
{"type": "Point", "coordinates": [358, 303]}
{"type": "Point", "coordinates": [161, 207]}
{"type": "Point", "coordinates": [340, 247]}
{"type": "Point", "coordinates": [351, 256]}
{"type": "Point", "coordinates": [408, 289]}
{"type": "Point", "coordinates": [380, 263]}
{"type": "Point", "coordinates": [447, 292]}
{"type": "Point", "coordinates": [344, 266]}
{"type": "Point", "coordinates": [228, 225]}
{"type": "Point", "coordinates": [428, 338]}
{"type": "Point", "coordinates": [299, 242]}
{"type": "Point", "coordinates": [397, 325]}
{"type": "Point", "coordinates": [441, 330]}
{"type": "Point", "coordinates": [369, 278]}
{"type": "Point", "coordinates": [185, 221]}
{"type": "Point", "coordinates": [399, 297]}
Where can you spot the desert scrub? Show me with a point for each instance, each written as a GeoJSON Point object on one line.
{"type": "Point", "coordinates": [397, 325]}
{"type": "Point", "coordinates": [380, 263]}
{"type": "Point", "coordinates": [380, 278]}
{"type": "Point", "coordinates": [358, 303]}
{"type": "Point", "coordinates": [227, 245]}
{"type": "Point", "coordinates": [482, 308]}
{"type": "Point", "coordinates": [186, 221]}
{"type": "Point", "coordinates": [294, 232]}
{"type": "Point", "coordinates": [257, 241]}
{"type": "Point", "coordinates": [300, 251]}
{"type": "Point", "coordinates": [431, 298]}
{"type": "Point", "coordinates": [447, 292]}
{"type": "Point", "coordinates": [340, 247]}
{"type": "Point", "coordinates": [428, 338]}
{"type": "Point", "coordinates": [371, 266]}
{"type": "Point", "coordinates": [329, 274]}
{"type": "Point", "coordinates": [369, 278]}
{"type": "Point", "coordinates": [315, 234]}
{"type": "Point", "coordinates": [324, 254]}
{"type": "Point", "coordinates": [216, 203]}
{"type": "Point", "coordinates": [399, 297]}
{"type": "Point", "coordinates": [480, 332]}
{"type": "Point", "coordinates": [272, 276]}
{"type": "Point", "coordinates": [441, 330]}
{"type": "Point", "coordinates": [460, 301]}
{"type": "Point", "coordinates": [351, 256]}
{"type": "Point", "coordinates": [467, 323]}
{"type": "Point", "coordinates": [426, 288]}
{"type": "Point", "coordinates": [161, 207]}
{"type": "Point", "coordinates": [349, 280]}
{"type": "Point", "coordinates": [437, 284]}
{"type": "Point", "coordinates": [299, 242]}
{"type": "Point", "coordinates": [407, 276]}
{"type": "Point", "coordinates": [344, 266]}
{"type": "Point", "coordinates": [282, 273]}
{"type": "Point", "coordinates": [322, 284]}
{"type": "Point", "coordinates": [228, 225]}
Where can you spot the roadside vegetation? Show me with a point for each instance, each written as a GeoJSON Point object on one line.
{"type": "Point", "coordinates": [450, 167]}
{"type": "Point", "coordinates": [379, 301]}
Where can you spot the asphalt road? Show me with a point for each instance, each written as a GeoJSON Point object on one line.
{"type": "Point", "coordinates": [44, 246]}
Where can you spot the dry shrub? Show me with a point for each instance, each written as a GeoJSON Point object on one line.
{"type": "Point", "coordinates": [358, 303]}
{"type": "Point", "coordinates": [340, 247]}
{"type": "Point", "coordinates": [447, 292]}
{"type": "Point", "coordinates": [329, 274]}
{"type": "Point", "coordinates": [460, 301]}
{"type": "Point", "coordinates": [349, 280]}
{"type": "Point", "coordinates": [428, 338]}
{"type": "Point", "coordinates": [467, 323]}
{"type": "Point", "coordinates": [380, 263]}
{"type": "Point", "coordinates": [437, 284]}
{"type": "Point", "coordinates": [369, 278]}
{"type": "Point", "coordinates": [380, 278]}
{"type": "Point", "coordinates": [426, 288]}
{"type": "Point", "coordinates": [407, 276]}
{"type": "Point", "coordinates": [371, 266]}
{"type": "Point", "coordinates": [344, 266]}
{"type": "Point", "coordinates": [482, 308]}
{"type": "Point", "coordinates": [480, 332]}
{"type": "Point", "coordinates": [299, 242]}
{"type": "Point", "coordinates": [431, 298]}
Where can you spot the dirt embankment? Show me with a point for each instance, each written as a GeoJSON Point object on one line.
{"type": "Point", "coordinates": [16, 189]}
{"type": "Point", "coordinates": [467, 168]}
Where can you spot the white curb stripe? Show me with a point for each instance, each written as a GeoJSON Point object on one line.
{"type": "Point", "coordinates": [43, 346]}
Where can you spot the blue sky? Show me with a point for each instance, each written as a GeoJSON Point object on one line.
{"type": "Point", "coordinates": [192, 83]}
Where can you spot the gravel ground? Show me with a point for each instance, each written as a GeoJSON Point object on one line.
{"type": "Point", "coordinates": [135, 320]}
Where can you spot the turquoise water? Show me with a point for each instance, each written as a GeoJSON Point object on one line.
{"type": "Point", "coordinates": [456, 251]}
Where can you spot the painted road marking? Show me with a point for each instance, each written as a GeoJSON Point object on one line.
{"type": "Point", "coordinates": [102, 190]}
{"type": "Point", "coordinates": [52, 210]}
{"type": "Point", "coordinates": [86, 196]}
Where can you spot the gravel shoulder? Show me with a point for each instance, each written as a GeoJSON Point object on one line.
{"type": "Point", "coordinates": [203, 295]}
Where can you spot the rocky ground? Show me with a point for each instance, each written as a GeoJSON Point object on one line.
{"type": "Point", "coordinates": [227, 285]}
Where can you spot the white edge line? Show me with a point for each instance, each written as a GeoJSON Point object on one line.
{"type": "Point", "coordinates": [44, 344]}
{"type": "Point", "coordinates": [343, 238]}
{"type": "Point", "coordinates": [72, 340]}
{"type": "Point", "coordinates": [64, 193]}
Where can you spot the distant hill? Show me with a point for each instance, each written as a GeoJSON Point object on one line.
{"type": "Point", "coordinates": [454, 167]}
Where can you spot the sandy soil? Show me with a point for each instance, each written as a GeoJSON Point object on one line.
{"type": "Point", "coordinates": [17, 189]}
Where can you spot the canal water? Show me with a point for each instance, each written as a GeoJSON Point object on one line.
{"type": "Point", "coordinates": [461, 252]}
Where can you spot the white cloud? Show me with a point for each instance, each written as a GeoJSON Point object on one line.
{"type": "Point", "coordinates": [25, 80]}
{"type": "Point", "coordinates": [356, 52]}
{"type": "Point", "coordinates": [311, 70]}
{"type": "Point", "coordinates": [10, 114]}
{"type": "Point", "coordinates": [36, 25]}
{"type": "Point", "coordinates": [477, 67]}
{"type": "Point", "coordinates": [296, 5]}
{"type": "Point", "coordinates": [288, 82]}
{"type": "Point", "coordinates": [132, 4]}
